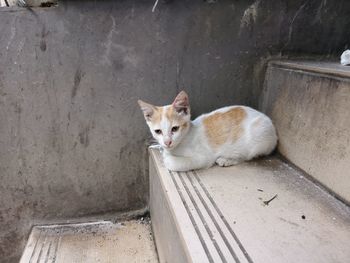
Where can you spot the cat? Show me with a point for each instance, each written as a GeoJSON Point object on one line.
{"type": "Point", "coordinates": [226, 136]}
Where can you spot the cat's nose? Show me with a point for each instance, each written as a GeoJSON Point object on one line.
{"type": "Point", "coordinates": [168, 143]}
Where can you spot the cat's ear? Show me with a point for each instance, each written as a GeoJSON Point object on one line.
{"type": "Point", "coordinates": [181, 103]}
{"type": "Point", "coordinates": [147, 109]}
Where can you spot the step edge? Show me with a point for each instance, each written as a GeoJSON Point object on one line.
{"type": "Point", "coordinates": [26, 253]}
{"type": "Point", "coordinates": [186, 242]}
{"type": "Point", "coordinates": [75, 225]}
{"type": "Point", "coordinates": [305, 67]}
{"type": "Point", "coordinates": [314, 180]}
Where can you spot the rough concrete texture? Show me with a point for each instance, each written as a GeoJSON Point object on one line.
{"type": "Point", "coordinates": [310, 110]}
{"type": "Point", "coordinates": [72, 138]}
{"type": "Point", "coordinates": [258, 211]}
{"type": "Point", "coordinates": [105, 242]}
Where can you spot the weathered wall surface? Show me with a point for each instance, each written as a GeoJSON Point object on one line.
{"type": "Point", "coordinates": [72, 139]}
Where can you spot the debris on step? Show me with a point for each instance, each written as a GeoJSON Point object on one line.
{"type": "Point", "coordinates": [268, 201]}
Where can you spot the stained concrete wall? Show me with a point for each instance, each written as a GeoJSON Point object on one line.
{"type": "Point", "coordinates": [72, 139]}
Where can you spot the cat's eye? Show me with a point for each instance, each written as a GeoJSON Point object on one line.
{"type": "Point", "coordinates": [158, 131]}
{"type": "Point", "coordinates": [175, 129]}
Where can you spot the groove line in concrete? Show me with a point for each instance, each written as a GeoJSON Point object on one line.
{"type": "Point", "coordinates": [223, 218]}
{"type": "Point", "coordinates": [210, 258]}
{"type": "Point", "coordinates": [210, 233]}
{"type": "Point", "coordinates": [224, 238]}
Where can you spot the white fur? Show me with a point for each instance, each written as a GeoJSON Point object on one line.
{"type": "Point", "coordinates": [193, 151]}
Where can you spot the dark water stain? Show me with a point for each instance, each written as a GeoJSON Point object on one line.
{"type": "Point", "coordinates": [124, 152]}
{"type": "Point", "coordinates": [43, 45]}
{"type": "Point", "coordinates": [17, 108]}
{"type": "Point", "coordinates": [77, 79]}
{"type": "Point", "coordinates": [54, 137]}
{"type": "Point", "coordinates": [84, 137]}
{"type": "Point", "coordinates": [2, 86]}
{"type": "Point", "coordinates": [44, 34]}
{"type": "Point", "coordinates": [117, 64]}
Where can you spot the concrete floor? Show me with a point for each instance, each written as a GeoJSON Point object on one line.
{"type": "Point", "coordinates": [104, 242]}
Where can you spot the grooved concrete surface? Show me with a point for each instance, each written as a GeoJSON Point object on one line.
{"type": "Point", "coordinates": [309, 105]}
{"type": "Point", "coordinates": [103, 242]}
{"type": "Point", "coordinates": [259, 211]}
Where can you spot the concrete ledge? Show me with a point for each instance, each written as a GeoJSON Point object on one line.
{"type": "Point", "coordinates": [224, 215]}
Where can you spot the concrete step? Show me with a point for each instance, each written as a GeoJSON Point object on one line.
{"type": "Point", "coordinates": [223, 215]}
{"type": "Point", "coordinates": [103, 242]}
{"type": "Point", "coordinates": [309, 104]}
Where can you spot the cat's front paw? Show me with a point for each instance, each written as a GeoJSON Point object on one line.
{"type": "Point", "coordinates": [169, 164]}
{"type": "Point", "coordinates": [223, 162]}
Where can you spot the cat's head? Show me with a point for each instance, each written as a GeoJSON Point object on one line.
{"type": "Point", "coordinates": [170, 123]}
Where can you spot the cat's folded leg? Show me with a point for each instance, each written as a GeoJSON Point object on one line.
{"type": "Point", "coordinates": [181, 163]}
{"type": "Point", "coordinates": [178, 164]}
{"type": "Point", "coordinates": [224, 162]}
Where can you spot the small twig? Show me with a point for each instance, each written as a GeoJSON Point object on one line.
{"type": "Point", "coordinates": [268, 201]}
{"type": "Point", "coordinates": [154, 6]}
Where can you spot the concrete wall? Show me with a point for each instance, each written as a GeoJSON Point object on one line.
{"type": "Point", "coordinates": [72, 139]}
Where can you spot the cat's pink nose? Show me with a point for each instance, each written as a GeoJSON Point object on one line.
{"type": "Point", "coordinates": [168, 143]}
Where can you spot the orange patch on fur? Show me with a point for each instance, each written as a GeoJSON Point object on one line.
{"type": "Point", "coordinates": [173, 116]}
{"type": "Point", "coordinates": [223, 126]}
{"type": "Point", "coordinates": [169, 113]}
{"type": "Point", "coordinates": [157, 115]}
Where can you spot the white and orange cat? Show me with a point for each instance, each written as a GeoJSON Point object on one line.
{"type": "Point", "coordinates": [226, 136]}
